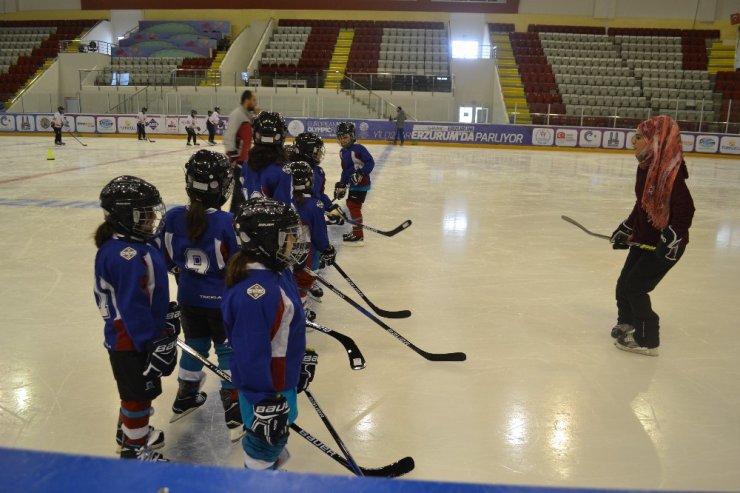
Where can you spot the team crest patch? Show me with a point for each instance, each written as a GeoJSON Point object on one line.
{"type": "Point", "coordinates": [128, 253]}
{"type": "Point", "coordinates": [256, 291]}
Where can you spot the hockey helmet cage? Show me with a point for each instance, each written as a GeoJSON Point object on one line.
{"type": "Point", "coordinates": [208, 178]}
{"type": "Point", "coordinates": [133, 207]}
{"type": "Point", "coordinates": [271, 232]}
{"type": "Point", "coordinates": [346, 128]}
{"type": "Point", "coordinates": [302, 176]}
{"type": "Point", "coordinates": [269, 129]}
{"type": "Point", "coordinates": [309, 147]}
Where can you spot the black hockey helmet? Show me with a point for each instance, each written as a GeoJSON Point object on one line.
{"type": "Point", "coordinates": [269, 129]}
{"type": "Point", "coordinates": [133, 207]}
{"type": "Point", "coordinates": [302, 176]}
{"type": "Point", "coordinates": [216, 109]}
{"type": "Point", "coordinates": [208, 178]}
{"type": "Point", "coordinates": [271, 232]}
{"type": "Point", "coordinates": [309, 147]}
{"type": "Point", "coordinates": [193, 112]}
{"type": "Point", "coordinates": [60, 109]}
{"type": "Point", "coordinates": [346, 128]}
{"type": "Point", "coordinates": [143, 110]}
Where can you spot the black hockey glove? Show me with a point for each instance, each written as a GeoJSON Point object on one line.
{"type": "Point", "coordinates": [173, 318]}
{"type": "Point", "coordinates": [271, 419]}
{"type": "Point", "coordinates": [340, 191]}
{"type": "Point", "coordinates": [162, 357]}
{"type": "Point", "coordinates": [327, 257]}
{"type": "Point", "coordinates": [308, 369]}
{"type": "Point", "coordinates": [620, 236]}
{"type": "Point", "coordinates": [356, 177]}
{"type": "Point", "coordinates": [670, 243]}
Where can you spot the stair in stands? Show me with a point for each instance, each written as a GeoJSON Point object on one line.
{"type": "Point", "coordinates": [213, 74]}
{"type": "Point", "coordinates": [511, 83]}
{"type": "Point", "coordinates": [721, 57]}
{"type": "Point", "coordinates": [339, 58]}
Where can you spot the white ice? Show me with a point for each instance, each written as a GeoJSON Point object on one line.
{"type": "Point", "coordinates": [488, 268]}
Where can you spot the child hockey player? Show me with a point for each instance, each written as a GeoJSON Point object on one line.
{"type": "Point", "coordinates": [265, 324]}
{"type": "Point", "coordinates": [191, 125]}
{"type": "Point", "coordinates": [199, 239]}
{"type": "Point", "coordinates": [263, 175]}
{"type": "Point", "coordinates": [57, 123]}
{"type": "Point", "coordinates": [357, 164]}
{"type": "Point", "coordinates": [309, 147]}
{"type": "Point", "coordinates": [141, 124]}
{"type": "Point", "coordinates": [661, 216]}
{"type": "Point", "coordinates": [212, 124]}
{"type": "Point", "coordinates": [311, 211]}
{"type": "Point", "coordinates": [132, 293]}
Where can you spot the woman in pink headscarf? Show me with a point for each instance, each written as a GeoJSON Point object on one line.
{"type": "Point", "coordinates": [662, 217]}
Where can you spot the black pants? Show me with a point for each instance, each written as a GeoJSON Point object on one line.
{"type": "Point", "coordinates": [211, 131]}
{"type": "Point", "coordinates": [140, 131]}
{"type": "Point", "coordinates": [399, 134]}
{"type": "Point", "coordinates": [199, 322]}
{"type": "Point", "coordinates": [641, 273]}
{"type": "Point", "coordinates": [237, 196]}
{"type": "Point", "coordinates": [191, 133]}
{"type": "Point", "coordinates": [57, 135]}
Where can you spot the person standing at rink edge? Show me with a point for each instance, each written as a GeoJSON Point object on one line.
{"type": "Point", "coordinates": [661, 216]}
{"type": "Point", "coordinates": [191, 125]}
{"type": "Point", "coordinates": [266, 327]}
{"type": "Point", "coordinates": [141, 124]}
{"type": "Point", "coordinates": [132, 293]}
{"type": "Point", "coordinates": [357, 164]}
{"type": "Point", "coordinates": [57, 123]}
{"type": "Point", "coordinates": [238, 141]}
{"type": "Point", "coordinates": [199, 239]}
{"type": "Point", "coordinates": [400, 120]}
{"type": "Point", "coordinates": [212, 124]}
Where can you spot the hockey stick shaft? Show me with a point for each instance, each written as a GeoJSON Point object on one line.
{"type": "Point", "coordinates": [356, 359]}
{"type": "Point", "coordinates": [425, 354]}
{"type": "Point", "coordinates": [78, 140]}
{"type": "Point", "coordinates": [315, 442]}
{"type": "Point", "coordinates": [333, 433]}
{"type": "Point", "coordinates": [379, 311]}
{"type": "Point", "coordinates": [572, 221]}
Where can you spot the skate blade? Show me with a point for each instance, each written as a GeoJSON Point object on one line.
{"type": "Point", "coordinates": [317, 300]}
{"type": "Point", "coordinates": [178, 417]}
{"type": "Point", "coordinates": [236, 434]}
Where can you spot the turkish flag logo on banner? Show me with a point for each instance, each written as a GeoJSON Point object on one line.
{"type": "Point", "coordinates": [735, 18]}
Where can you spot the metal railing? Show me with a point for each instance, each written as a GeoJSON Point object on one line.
{"type": "Point", "coordinates": [91, 46]}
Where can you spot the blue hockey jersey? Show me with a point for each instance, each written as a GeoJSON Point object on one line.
{"type": "Point", "coordinates": [266, 326]}
{"type": "Point", "coordinates": [272, 182]}
{"type": "Point", "coordinates": [202, 264]}
{"type": "Point", "coordinates": [132, 293]}
{"type": "Point", "coordinates": [319, 186]}
{"type": "Point", "coordinates": [311, 212]}
{"type": "Point", "coordinates": [356, 157]}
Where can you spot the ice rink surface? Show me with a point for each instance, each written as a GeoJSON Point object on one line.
{"type": "Point", "coordinates": [488, 268]}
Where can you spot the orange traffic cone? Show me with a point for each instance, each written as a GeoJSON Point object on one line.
{"type": "Point", "coordinates": [50, 156]}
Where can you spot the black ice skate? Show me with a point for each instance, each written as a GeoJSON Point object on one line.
{"type": "Point", "coordinates": [316, 292]}
{"type": "Point", "coordinates": [157, 442]}
{"type": "Point", "coordinates": [627, 342]}
{"type": "Point", "coordinates": [142, 452]}
{"type": "Point", "coordinates": [352, 240]}
{"type": "Point", "coordinates": [621, 329]}
{"type": "Point", "coordinates": [232, 414]}
{"type": "Point", "coordinates": [188, 399]}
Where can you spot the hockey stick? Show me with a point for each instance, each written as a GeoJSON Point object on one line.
{"type": "Point", "coordinates": [356, 359]}
{"type": "Point", "coordinates": [391, 232]}
{"type": "Point", "coordinates": [379, 311]}
{"type": "Point", "coordinates": [429, 356]}
{"type": "Point", "coordinates": [393, 470]}
{"type": "Point", "coordinates": [350, 460]}
{"type": "Point", "coordinates": [78, 140]}
{"type": "Point", "coordinates": [641, 246]}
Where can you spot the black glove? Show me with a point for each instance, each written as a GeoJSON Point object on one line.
{"type": "Point", "coordinates": [308, 369]}
{"type": "Point", "coordinates": [271, 419]}
{"type": "Point", "coordinates": [327, 257]}
{"type": "Point", "coordinates": [356, 177]}
{"type": "Point", "coordinates": [667, 249]}
{"type": "Point", "coordinates": [620, 236]}
{"type": "Point", "coordinates": [173, 318]}
{"type": "Point", "coordinates": [162, 357]}
{"type": "Point", "coordinates": [340, 190]}
{"type": "Point", "coordinates": [198, 128]}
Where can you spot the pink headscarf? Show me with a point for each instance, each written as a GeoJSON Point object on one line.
{"type": "Point", "coordinates": [663, 156]}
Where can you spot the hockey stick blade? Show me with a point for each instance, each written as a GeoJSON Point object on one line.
{"type": "Point", "coordinates": [425, 354]}
{"type": "Point", "coordinates": [379, 311]}
{"type": "Point", "coordinates": [394, 470]}
{"type": "Point", "coordinates": [356, 359]}
{"type": "Point", "coordinates": [392, 232]}
{"type": "Point", "coordinates": [641, 246]}
{"type": "Point", "coordinates": [78, 140]}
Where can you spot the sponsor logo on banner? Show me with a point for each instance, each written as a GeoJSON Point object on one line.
{"type": "Point", "coordinates": [172, 125]}
{"type": "Point", "coordinates": [155, 125]}
{"type": "Point", "coordinates": [613, 139]}
{"type": "Point", "coordinates": [43, 123]}
{"type": "Point", "coordinates": [25, 123]}
{"type": "Point", "coordinates": [323, 128]}
{"type": "Point", "coordinates": [687, 142]}
{"type": "Point", "coordinates": [628, 140]}
{"type": "Point", "coordinates": [543, 136]}
{"type": "Point", "coordinates": [729, 144]}
{"type": "Point", "coordinates": [706, 143]}
{"type": "Point", "coordinates": [443, 133]}
{"type": "Point", "coordinates": [85, 124]}
{"type": "Point", "coordinates": [126, 125]}
{"type": "Point", "coordinates": [7, 123]}
{"type": "Point", "coordinates": [364, 126]}
{"type": "Point", "coordinates": [106, 124]}
{"type": "Point", "coordinates": [295, 127]}
{"type": "Point", "coordinates": [590, 138]}
{"type": "Point", "coordinates": [152, 124]}
{"type": "Point", "coordinates": [566, 137]}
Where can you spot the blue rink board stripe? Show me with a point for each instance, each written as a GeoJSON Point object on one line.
{"type": "Point", "coordinates": [31, 472]}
